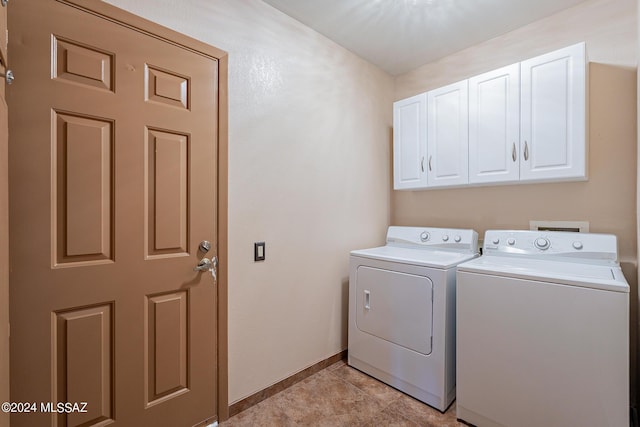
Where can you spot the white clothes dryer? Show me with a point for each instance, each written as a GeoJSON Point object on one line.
{"type": "Point", "coordinates": [543, 332]}
{"type": "Point", "coordinates": [402, 310]}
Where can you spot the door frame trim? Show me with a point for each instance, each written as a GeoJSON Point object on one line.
{"type": "Point", "coordinates": [152, 29]}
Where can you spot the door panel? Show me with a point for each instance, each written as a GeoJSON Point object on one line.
{"type": "Point", "coordinates": [83, 189]}
{"type": "Point", "coordinates": [448, 135]}
{"type": "Point", "coordinates": [167, 188]}
{"type": "Point", "coordinates": [166, 88]}
{"type": "Point", "coordinates": [113, 131]}
{"type": "Point", "coordinates": [553, 115]}
{"type": "Point", "coordinates": [494, 125]}
{"type": "Point", "coordinates": [82, 356]}
{"type": "Point", "coordinates": [409, 142]}
{"type": "Point", "coordinates": [167, 346]}
{"type": "Point", "coordinates": [84, 65]}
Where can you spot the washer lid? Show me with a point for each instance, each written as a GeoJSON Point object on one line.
{"type": "Point", "coordinates": [605, 277]}
{"type": "Point", "coordinates": [422, 257]}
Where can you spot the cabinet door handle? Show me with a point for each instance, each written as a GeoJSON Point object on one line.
{"type": "Point", "coordinates": [526, 151]}
{"type": "Point", "coordinates": [422, 164]}
{"type": "Point", "coordinates": [430, 163]}
{"type": "Point", "coordinates": [513, 152]}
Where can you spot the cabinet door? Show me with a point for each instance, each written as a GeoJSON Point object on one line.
{"type": "Point", "coordinates": [553, 112]}
{"type": "Point", "coordinates": [494, 126]}
{"type": "Point", "coordinates": [409, 142]}
{"type": "Point", "coordinates": [448, 135]}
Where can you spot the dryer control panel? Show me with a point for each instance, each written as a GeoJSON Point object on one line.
{"type": "Point", "coordinates": [547, 244]}
{"type": "Point", "coordinates": [435, 238]}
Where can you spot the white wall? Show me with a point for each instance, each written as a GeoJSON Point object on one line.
{"type": "Point", "coordinates": [608, 27]}
{"type": "Point", "coordinates": [309, 173]}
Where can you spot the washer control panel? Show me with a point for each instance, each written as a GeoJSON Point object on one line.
{"type": "Point", "coordinates": [436, 238]}
{"type": "Point", "coordinates": [550, 243]}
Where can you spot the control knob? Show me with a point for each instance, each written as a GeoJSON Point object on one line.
{"type": "Point", "coordinates": [424, 236]}
{"type": "Point", "coordinates": [457, 239]}
{"type": "Point", "coordinates": [511, 241]}
{"type": "Point", "coordinates": [577, 245]}
{"type": "Point", "coordinates": [542, 243]}
{"type": "Point", "coordinates": [445, 238]}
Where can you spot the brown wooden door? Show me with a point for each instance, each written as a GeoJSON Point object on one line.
{"type": "Point", "coordinates": [113, 172]}
{"type": "Point", "coordinates": [4, 226]}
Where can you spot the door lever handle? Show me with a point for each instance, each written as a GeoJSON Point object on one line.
{"type": "Point", "coordinates": [8, 75]}
{"type": "Point", "coordinates": [206, 264]}
{"type": "Point", "coordinates": [203, 265]}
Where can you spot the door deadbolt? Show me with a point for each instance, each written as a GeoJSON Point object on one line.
{"type": "Point", "coordinates": [205, 246]}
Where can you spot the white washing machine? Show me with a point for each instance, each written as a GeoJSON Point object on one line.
{"type": "Point", "coordinates": [402, 310]}
{"type": "Point", "coordinates": [543, 332]}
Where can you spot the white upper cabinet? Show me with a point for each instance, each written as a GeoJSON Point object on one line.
{"type": "Point", "coordinates": [494, 126]}
{"type": "Point", "coordinates": [409, 142]}
{"type": "Point", "coordinates": [448, 135]}
{"type": "Point", "coordinates": [553, 115]}
{"type": "Point", "coordinates": [522, 123]}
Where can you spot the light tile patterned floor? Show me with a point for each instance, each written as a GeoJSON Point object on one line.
{"type": "Point", "coordinates": [342, 396]}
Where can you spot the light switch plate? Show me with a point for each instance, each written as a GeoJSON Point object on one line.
{"type": "Point", "coordinates": [258, 251]}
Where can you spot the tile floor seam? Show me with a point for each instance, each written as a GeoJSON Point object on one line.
{"type": "Point", "coordinates": [351, 384]}
{"type": "Point", "coordinates": [385, 406]}
{"type": "Point", "coordinates": [388, 403]}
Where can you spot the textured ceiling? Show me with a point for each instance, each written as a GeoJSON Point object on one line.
{"type": "Point", "coordinates": [401, 35]}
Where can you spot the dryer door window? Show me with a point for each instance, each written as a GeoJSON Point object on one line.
{"type": "Point", "coordinates": [396, 307]}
